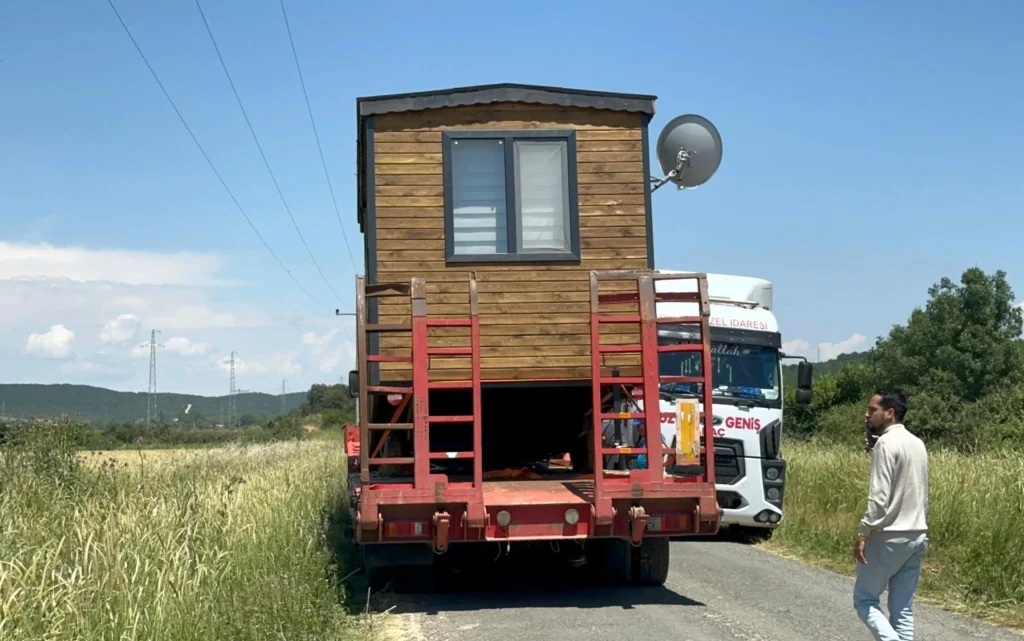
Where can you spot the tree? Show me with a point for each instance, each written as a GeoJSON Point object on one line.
{"type": "Point", "coordinates": [961, 346]}
{"type": "Point", "coordinates": [329, 397]}
{"type": "Point", "coordinates": [332, 418]}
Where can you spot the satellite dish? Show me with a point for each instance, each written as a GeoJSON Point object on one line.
{"type": "Point", "coordinates": [689, 151]}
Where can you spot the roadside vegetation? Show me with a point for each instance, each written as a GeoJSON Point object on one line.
{"type": "Point", "coordinates": [325, 409]}
{"type": "Point", "coordinates": [243, 542]}
{"type": "Point", "coordinates": [975, 562]}
{"type": "Point", "coordinates": [960, 359]}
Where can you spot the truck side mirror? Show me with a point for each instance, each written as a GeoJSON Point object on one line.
{"type": "Point", "coordinates": [804, 378]}
{"type": "Point", "coordinates": [353, 383]}
{"type": "Point", "coordinates": [804, 375]}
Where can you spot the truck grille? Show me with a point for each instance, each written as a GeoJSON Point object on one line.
{"type": "Point", "coordinates": [729, 466]}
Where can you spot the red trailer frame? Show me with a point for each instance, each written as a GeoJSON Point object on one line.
{"type": "Point", "coordinates": [630, 505]}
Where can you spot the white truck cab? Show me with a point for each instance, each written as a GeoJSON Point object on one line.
{"type": "Point", "coordinates": [750, 471]}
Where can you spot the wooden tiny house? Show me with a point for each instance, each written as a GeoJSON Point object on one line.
{"type": "Point", "coordinates": [529, 188]}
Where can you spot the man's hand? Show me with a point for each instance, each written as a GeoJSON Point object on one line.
{"type": "Point", "coordinates": [858, 550]}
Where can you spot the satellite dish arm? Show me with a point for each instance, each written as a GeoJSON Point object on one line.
{"type": "Point", "coordinates": [682, 162]}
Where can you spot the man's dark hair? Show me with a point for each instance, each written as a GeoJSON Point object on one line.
{"type": "Point", "coordinates": [893, 400]}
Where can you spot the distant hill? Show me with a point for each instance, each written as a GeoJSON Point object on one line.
{"type": "Point", "coordinates": [100, 405]}
{"type": "Point", "coordinates": [825, 367]}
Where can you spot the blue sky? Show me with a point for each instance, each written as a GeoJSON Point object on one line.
{"type": "Point", "coordinates": [869, 150]}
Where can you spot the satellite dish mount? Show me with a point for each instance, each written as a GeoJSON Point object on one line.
{"type": "Point", "coordinates": [689, 151]}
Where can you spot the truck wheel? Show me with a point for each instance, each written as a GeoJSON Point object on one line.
{"type": "Point", "coordinates": [614, 561]}
{"type": "Point", "coordinates": [650, 561]}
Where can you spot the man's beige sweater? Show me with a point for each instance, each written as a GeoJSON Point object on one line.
{"type": "Point", "coordinates": [898, 493]}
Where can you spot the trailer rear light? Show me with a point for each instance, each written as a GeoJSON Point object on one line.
{"type": "Point", "coordinates": [572, 517]}
{"type": "Point", "coordinates": [405, 529]}
{"type": "Point", "coordinates": [667, 523]}
{"type": "Point", "coordinates": [504, 518]}
{"type": "Point", "coordinates": [395, 399]}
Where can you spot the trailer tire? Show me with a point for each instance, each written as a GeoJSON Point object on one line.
{"type": "Point", "coordinates": [614, 562]}
{"type": "Point", "coordinates": [651, 561]}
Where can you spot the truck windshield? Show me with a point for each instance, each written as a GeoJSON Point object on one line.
{"type": "Point", "coordinates": [743, 371]}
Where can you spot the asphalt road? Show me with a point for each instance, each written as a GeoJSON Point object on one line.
{"type": "Point", "coordinates": [716, 591]}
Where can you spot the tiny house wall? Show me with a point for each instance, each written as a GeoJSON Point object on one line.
{"type": "Point", "coordinates": [534, 312]}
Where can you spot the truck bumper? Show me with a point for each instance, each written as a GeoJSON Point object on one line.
{"type": "Point", "coordinates": [745, 503]}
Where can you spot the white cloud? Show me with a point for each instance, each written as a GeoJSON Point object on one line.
{"type": "Point", "coordinates": [140, 351]}
{"type": "Point", "coordinates": [55, 343]}
{"type": "Point", "coordinates": [290, 368]}
{"type": "Point", "coordinates": [798, 347]}
{"type": "Point", "coordinates": [277, 363]}
{"type": "Point", "coordinates": [181, 346]}
{"type": "Point", "coordinates": [42, 260]}
{"type": "Point", "coordinates": [29, 302]}
{"type": "Point", "coordinates": [194, 316]}
{"type": "Point", "coordinates": [122, 328]}
{"type": "Point", "coordinates": [829, 351]}
{"type": "Point", "coordinates": [78, 367]}
{"type": "Point", "coordinates": [329, 350]}
{"type": "Point", "coordinates": [175, 346]}
{"type": "Point", "coordinates": [826, 351]}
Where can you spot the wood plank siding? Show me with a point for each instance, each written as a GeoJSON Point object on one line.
{"type": "Point", "coordinates": [534, 317]}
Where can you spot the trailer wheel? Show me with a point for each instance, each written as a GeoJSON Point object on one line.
{"type": "Point", "coordinates": [650, 561]}
{"type": "Point", "coordinates": [614, 561]}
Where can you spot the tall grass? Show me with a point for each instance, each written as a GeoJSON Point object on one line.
{"type": "Point", "coordinates": [975, 561]}
{"type": "Point", "coordinates": [225, 544]}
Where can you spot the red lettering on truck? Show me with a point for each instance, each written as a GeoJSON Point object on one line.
{"type": "Point", "coordinates": [732, 422]}
{"type": "Point", "coordinates": [743, 423]}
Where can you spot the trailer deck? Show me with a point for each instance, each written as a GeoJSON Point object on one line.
{"type": "Point", "coordinates": [417, 501]}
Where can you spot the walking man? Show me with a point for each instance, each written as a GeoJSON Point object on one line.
{"type": "Point", "coordinates": [892, 537]}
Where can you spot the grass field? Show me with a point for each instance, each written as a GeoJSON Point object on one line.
{"type": "Point", "coordinates": [975, 561]}
{"type": "Point", "coordinates": [234, 543]}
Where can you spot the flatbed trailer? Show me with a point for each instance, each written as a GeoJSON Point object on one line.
{"type": "Point", "coordinates": [507, 327]}
{"type": "Point", "coordinates": [625, 517]}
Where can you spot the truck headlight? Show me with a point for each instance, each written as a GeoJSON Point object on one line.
{"type": "Point", "coordinates": [771, 473]}
{"type": "Point", "coordinates": [773, 494]}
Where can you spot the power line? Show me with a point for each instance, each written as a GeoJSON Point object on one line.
{"type": "Point", "coordinates": [316, 134]}
{"type": "Point", "coordinates": [263, 155]}
{"type": "Point", "coordinates": [207, 157]}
